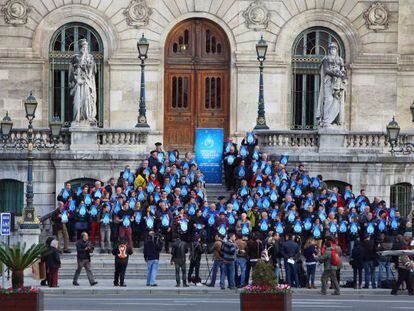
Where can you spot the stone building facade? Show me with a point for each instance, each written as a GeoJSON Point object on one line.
{"type": "Point", "coordinates": [375, 39]}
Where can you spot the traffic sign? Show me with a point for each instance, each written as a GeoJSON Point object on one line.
{"type": "Point", "coordinates": [5, 223]}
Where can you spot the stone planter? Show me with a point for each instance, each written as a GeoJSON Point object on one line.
{"type": "Point", "coordinates": [265, 302]}
{"type": "Point", "coordinates": [21, 302]}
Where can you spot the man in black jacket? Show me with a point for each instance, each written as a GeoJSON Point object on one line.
{"type": "Point", "coordinates": [178, 252]}
{"type": "Point", "coordinates": [196, 251]}
{"type": "Point", "coordinates": [290, 252]}
{"type": "Point", "coordinates": [84, 248]}
{"type": "Point", "coordinates": [152, 248]}
{"type": "Point", "coordinates": [121, 251]}
{"type": "Point", "coordinates": [369, 260]}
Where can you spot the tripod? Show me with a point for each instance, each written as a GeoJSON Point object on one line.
{"type": "Point", "coordinates": [208, 268]}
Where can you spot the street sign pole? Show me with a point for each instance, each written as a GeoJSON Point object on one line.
{"type": "Point", "coordinates": [5, 226]}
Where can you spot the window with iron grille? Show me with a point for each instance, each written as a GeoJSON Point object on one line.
{"type": "Point", "coordinates": [11, 196]}
{"type": "Point", "coordinates": [63, 46]}
{"type": "Point", "coordinates": [400, 198]}
{"type": "Point", "coordinates": [308, 52]}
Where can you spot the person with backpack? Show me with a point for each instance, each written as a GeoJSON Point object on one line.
{"type": "Point", "coordinates": [405, 268]}
{"type": "Point", "coordinates": [152, 248]}
{"type": "Point", "coordinates": [196, 250]}
{"type": "Point", "coordinates": [178, 258]}
{"type": "Point", "coordinates": [331, 262]}
{"type": "Point", "coordinates": [228, 251]}
{"type": "Point", "coordinates": [121, 251]}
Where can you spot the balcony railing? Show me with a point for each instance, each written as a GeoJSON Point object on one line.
{"type": "Point", "coordinates": [39, 133]}
{"type": "Point", "coordinates": [288, 139]}
{"type": "Point", "coordinates": [107, 139]}
{"type": "Point", "coordinates": [310, 141]}
{"type": "Point", "coordinates": [125, 139]}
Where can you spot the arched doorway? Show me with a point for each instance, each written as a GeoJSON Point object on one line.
{"type": "Point", "coordinates": [196, 81]}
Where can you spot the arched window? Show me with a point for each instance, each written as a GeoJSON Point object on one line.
{"type": "Point", "coordinates": [11, 196]}
{"type": "Point", "coordinates": [400, 197]}
{"type": "Point", "coordinates": [64, 45]}
{"type": "Point", "coordinates": [80, 182]}
{"type": "Point", "coordinates": [308, 51]}
{"type": "Point", "coordinates": [341, 185]}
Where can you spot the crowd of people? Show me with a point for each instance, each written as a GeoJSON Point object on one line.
{"type": "Point", "coordinates": [288, 218]}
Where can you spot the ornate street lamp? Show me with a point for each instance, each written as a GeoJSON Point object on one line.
{"type": "Point", "coordinates": [393, 134]}
{"type": "Point", "coordinates": [29, 218]}
{"type": "Point", "coordinates": [261, 49]}
{"type": "Point", "coordinates": [412, 111]}
{"type": "Point", "coordinates": [6, 126]}
{"type": "Point", "coordinates": [142, 46]}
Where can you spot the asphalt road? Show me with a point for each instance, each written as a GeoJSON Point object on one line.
{"type": "Point", "coordinates": [227, 302]}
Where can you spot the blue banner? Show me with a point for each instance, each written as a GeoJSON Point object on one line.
{"type": "Point", "coordinates": [209, 153]}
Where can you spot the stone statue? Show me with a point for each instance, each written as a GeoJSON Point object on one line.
{"type": "Point", "coordinates": [332, 92]}
{"type": "Point", "coordinates": [82, 72]}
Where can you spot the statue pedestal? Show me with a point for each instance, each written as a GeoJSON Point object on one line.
{"type": "Point", "coordinates": [331, 139]}
{"type": "Point", "coordinates": [29, 234]}
{"type": "Point", "coordinates": [83, 137]}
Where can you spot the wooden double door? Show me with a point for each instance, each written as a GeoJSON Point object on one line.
{"type": "Point", "coordinates": [196, 82]}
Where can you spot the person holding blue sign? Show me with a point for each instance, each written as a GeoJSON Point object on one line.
{"type": "Point", "coordinates": [59, 220]}
{"type": "Point", "coordinates": [105, 220]}
{"type": "Point", "coordinates": [125, 219]}
{"type": "Point", "coordinates": [164, 223]}
{"type": "Point", "coordinates": [230, 162]}
{"type": "Point", "coordinates": [66, 193]}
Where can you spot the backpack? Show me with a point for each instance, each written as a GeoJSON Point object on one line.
{"type": "Point", "coordinates": [335, 259]}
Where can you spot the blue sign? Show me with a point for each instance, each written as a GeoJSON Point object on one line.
{"type": "Point", "coordinates": [5, 223]}
{"type": "Point", "coordinates": [209, 152]}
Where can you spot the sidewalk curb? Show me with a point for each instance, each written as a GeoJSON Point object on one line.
{"type": "Point", "coordinates": [168, 290]}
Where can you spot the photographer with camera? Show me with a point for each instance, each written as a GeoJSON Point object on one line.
{"type": "Point", "coordinates": [152, 248]}
{"type": "Point", "coordinates": [84, 249]}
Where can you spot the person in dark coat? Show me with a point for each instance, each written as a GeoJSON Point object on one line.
{"type": "Point", "coordinates": [196, 250]}
{"type": "Point", "coordinates": [84, 248]}
{"type": "Point", "coordinates": [121, 251]}
{"type": "Point", "coordinates": [43, 259]}
{"type": "Point", "coordinates": [370, 256]}
{"type": "Point", "coordinates": [53, 264]}
{"type": "Point", "coordinates": [357, 263]}
{"type": "Point", "coordinates": [178, 252]}
{"type": "Point", "coordinates": [152, 248]}
{"type": "Point", "coordinates": [291, 253]}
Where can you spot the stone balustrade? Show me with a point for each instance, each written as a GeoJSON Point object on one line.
{"type": "Point", "coordinates": [125, 138]}
{"type": "Point", "coordinates": [342, 141]}
{"type": "Point", "coordinates": [43, 133]}
{"type": "Point", "coordinates": [106, 139]}
{"type": "Point", "coordinates": [288, 139]}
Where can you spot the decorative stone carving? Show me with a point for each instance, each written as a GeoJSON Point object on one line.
{"type": "Point", "coordinates": [138, 13]}
{"type": "Point", "coordinates": [376, 17]}
{"type": "Point", "coordinates": [15, 12]}
{"type": "Point", "coordinates": [256, 15]}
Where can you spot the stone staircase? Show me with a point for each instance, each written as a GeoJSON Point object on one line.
{"type": "Point", "coordinates": [216, 190]}
{"type": "Point", "coordinates": [103, 266]}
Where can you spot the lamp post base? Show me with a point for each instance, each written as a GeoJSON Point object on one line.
{"type": "Point", "coordinates": [142, 125]}
{"type": "Point", "coordinates": [261, 127]}
{"type": "Point", "coordinates": [142, 122]}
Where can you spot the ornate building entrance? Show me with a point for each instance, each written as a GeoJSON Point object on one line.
{"type": "Point", "coordinates": [197, 81]}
